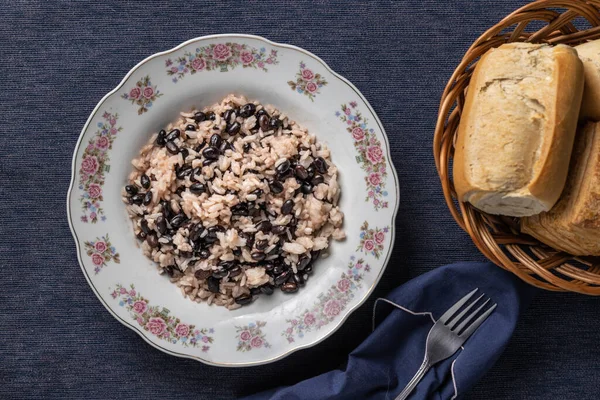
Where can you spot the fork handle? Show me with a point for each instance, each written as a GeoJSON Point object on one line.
{"type": "Point", "coordinates": [415, 380]}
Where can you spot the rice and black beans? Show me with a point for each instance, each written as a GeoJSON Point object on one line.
{"type": "Point", "coordinates": [234, 201]}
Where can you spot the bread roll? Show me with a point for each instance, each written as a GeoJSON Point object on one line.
{"type": "Point", "coordinates": [517, 127]}
{"type": "Point", "coordinates": [589, 53]}
{"type": "Point", "coordinates": [573, 224]}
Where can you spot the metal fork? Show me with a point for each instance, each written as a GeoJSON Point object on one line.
{"type": "Point", "coordinates": [447, 335]}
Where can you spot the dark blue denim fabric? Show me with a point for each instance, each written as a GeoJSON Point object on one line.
{"type": "Point", "coordinates": [58, 58]}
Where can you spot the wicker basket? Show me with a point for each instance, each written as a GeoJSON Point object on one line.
{"type": "Point", "coordinates": [497, 237]}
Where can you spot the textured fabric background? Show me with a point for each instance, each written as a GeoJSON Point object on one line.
{"type": "Point", "coordinates": [58, 58]}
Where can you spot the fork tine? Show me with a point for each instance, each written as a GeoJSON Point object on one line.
{"type": "Point", "coordinates": [477, 322]}
{"type": "Point", "coordinates": [444, 318]}
{"type": "Point", "coordinates": [456, 320]}
{"type": "Point", "coordinates": [470, 317]}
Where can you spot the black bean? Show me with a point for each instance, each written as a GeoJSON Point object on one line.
{"type": "Point", "coordinates": [227, 115]}
{"type": "Point", "coordinates": [269, 266]}
{"type": "Point", "coordinates": [237, 251]}
{"type": "Point", "coordinates": [184, 153]}
{"type": "Point", "coordinates": [145, 181]}
{"type": "Point", "coordinates": [219, 273]}
{"type": "Point", "coordinates": [317, 180]}
{"type": "Point", "coordinates": [195, 232]}
{"type": "Point", "coordinates": [211, 153]}
{"type": "Point", "coordinates": [262, 244]}
{"type": "Point", "coordinates": [263, 122]}
{"type": "Point", "coordinates": [152, 240]}
{"type": "Point", "coordinates": [167, 210]}
{"type": "Point", "coordinates": [321, 165]}
{"type": "Point", "coordinates": [287, 207]}
{"type": "Point", "coordinates": [299, 280]}
{"type": "Point", "coordinates": [174, 134]}
{"type": "Point", "coordinates": [262, 112]}
{"type": "Point", "coordinates": [211, 116]}
{"type": "Point", "coordinates": [185, 254]}
{"type": "Point", "coordinates": [204, 254]}
{"type": "Point", "coordinates": [234, 128]}
{"type": "Point", "coordinates": [199, 116]}
{"type": "Point", "coordinates": [141, 235]}
{"type": "Point", "coordinates": [247, 147]}
{"type": "Point", "coordinates": [138, 198]}
{"type": "Point", "coordinates": [249, 238]}
{"type": "Point", "coordinates": [144, 226]}
{"type": "Point", "coordinates": [279, 269]}
{"type": "Point", "coordinates": [235, 272]}
{"type": "Point", "coordinates": [184, 171]}
{"type": "Point", "coordinates": [160, 139]}
{"type": "Point", "coordinates": [240, 209]}
{"type": "Point", "coordinates": [264, 226]}
{"type": "Point", "coordinates": [257, 192]}
{"type": "Point", "coordinates": [258, 256]}
{"type": "Point", "coordinates": [161, 224]}
{"type": "Point", "coordinates": [190, 127]}
{"type": "Point", "coordinates": [287, 174]}
{"type": "Point", "coordinates": [131, 190]}
{"type": "Point", "coordinates": [306, 188]}
{"type": "Point", "coordinates": [224, 146]}
{"type": "Point", "coordinates": [177, 220]}
{"type": "Point", "coordinates": [215, 140]}
{"type": "Point", "coordinates": [198, 188]}
{"type": "Point", "coordinates": [207, 162]}
{"type": "Point", "coordinates": [247, 110]}
{"type": "Point", "coordinates": [172, 148]}
{"type": "Point", "coordinates": [282, 278]}
{"type": "Point", "coordinates": [274, 123]}
{"type": "Point", "coordinates": [293, 221]}
{"type": "Point", "coordinates": [279, 229]}
{"type": "Point", "coordinates": [255, 291]}
{"type": "Point", "coordinates": [311, 171]}
{"type": "Point", "coordinates": [283, 167]}
{"type": "Point", "coordinates": [180, 190]}
{"type": "Point", "coordinates": [200, 147]}
{"type": "Point", "coordinates": [301, 172]}
{"type": "Point", "coordinates": [195, 172]}
{"type": "Point", "coordinates": [308, 269]}
{"type": "Point", "coordinates": [202, 274]}
{"type": "Point", "coordinates": [303, 263]}
{"type": "Point", "coordinates": [267, 289]}
{"type": "Point", "coordinates": [289, 287]}
{"type": "Point", "coordinates": [276, 187]}
{"type": "Point", "coordinates": [227, 265]}
{"type": "Point", "coordinates": [243, 299]}
{"type": "Point", "coordinates": [147, 198]}
{"type": "Point", "coordinates": [213, 284]}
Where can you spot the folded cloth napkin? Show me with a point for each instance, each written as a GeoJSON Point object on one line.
{"type": "Point", "coordinates": [386, 361]}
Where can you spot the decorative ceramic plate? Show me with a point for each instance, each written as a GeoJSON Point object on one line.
{"type": "Point", "coordinates": [199, 73]}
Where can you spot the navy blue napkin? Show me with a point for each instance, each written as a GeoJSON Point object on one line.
{"type": "Point", "coordinates": [384, 363]}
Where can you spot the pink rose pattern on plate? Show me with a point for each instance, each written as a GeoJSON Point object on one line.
{"type": "Point", "coordinates": [371, 240]}
{"type": "Point", "coordinates": [143, 94]}
{"type": "Point", "coordinates": [159, 323]}
{"type": "Point", "coordinates": [370, 154]}
{"type": "Point", "coordinates": [101, 252]}
{"type": "Point", "coordinates": [307, 82]}
{"type": "Point", "coordinates": [94, 164]}
{"type": "Point", "coordinates": [329, 304]}
{"type": "Point", "coordinates": [221, 56]}
{"type": "Point", "coordinates": [251, 336]}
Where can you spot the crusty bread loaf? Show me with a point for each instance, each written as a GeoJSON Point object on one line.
{"type": "Point", "coordinates": [589, 53]}
{"type": "Point", "coordinates": [573, 224]}
{"type": "Point", "coordinates": [517, 127]}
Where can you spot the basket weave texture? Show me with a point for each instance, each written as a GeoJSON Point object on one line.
{"type": "Point", "coordinates": [498, 237]}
